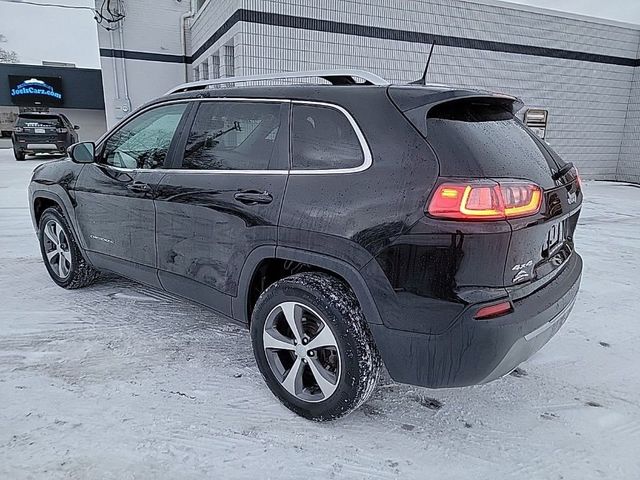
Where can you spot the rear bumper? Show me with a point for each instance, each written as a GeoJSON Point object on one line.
{"type": "Point", "coordinates": [34, 144]}
{"type": "Point", "coordinates": [44, 148]}
{"type": "Point", "coordinates": [479, 351]}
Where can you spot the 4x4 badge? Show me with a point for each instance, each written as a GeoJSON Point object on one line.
{"type": "Point", "coordinates": [522, 274]}
{"type": "Point", "coordinates": [522, 271]}
{"type": "Point", "coordinates": [517, 266]}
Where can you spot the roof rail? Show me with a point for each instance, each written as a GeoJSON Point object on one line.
{"type": "Point", "coordinates": [335, 77]}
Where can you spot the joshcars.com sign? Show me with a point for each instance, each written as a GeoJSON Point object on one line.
{"type": "Point", "coordinates": [36, 90]}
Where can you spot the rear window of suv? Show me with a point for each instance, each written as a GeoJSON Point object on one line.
{"type": "Point", "coordinates": [39, 121]}
{"type": "Point", "coordinates": [323, 138]}
{"type": "Point", "coordinates": [484, 139]}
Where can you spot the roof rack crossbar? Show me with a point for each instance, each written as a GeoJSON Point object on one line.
{"type": "Point", "coordinates": [335, 77]}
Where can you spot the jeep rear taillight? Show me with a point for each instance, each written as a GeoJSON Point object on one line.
{"type": "Point", "coordinates": [485, 200]}
{"type": "Point", "coordinates": [578, 179]}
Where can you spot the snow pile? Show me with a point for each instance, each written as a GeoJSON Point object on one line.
{"type": "Point", "coordinates": [121, 381]}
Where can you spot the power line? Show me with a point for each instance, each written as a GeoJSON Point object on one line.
{"type": "Point", "coordinates": [38, 4]}
{"type": "Point", "coordinates": [110, 17]}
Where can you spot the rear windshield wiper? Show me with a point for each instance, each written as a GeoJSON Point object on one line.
{"type": "Point", "coordinates": [563, 171]}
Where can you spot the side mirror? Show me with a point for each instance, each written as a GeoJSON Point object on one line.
{"type": "Point", "coordinates": [76, 127]}
{"type": "Point", "coordinates": [83, 152]}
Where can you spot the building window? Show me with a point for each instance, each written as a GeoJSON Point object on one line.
{"type": "Point", "coordinates": [215, 66]}
{"type": "Point", "coordinates": [229, 61]}
{"type": "Point", "coordinates": [196, 73]}
{"type": "Point", "coordinates": [204, 67]}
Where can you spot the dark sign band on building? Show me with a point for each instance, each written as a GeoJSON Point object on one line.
{"type": "Point", "coordinates": [36, 91]}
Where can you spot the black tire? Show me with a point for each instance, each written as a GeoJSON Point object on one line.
{"type": "Point", "coordinates": [80, 273]}
{"type": "Point", "coordinates": [359, 362]}
{"type": "Point", "coordinates": [19, 154]}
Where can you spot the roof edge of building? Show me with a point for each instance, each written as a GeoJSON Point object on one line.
{"type": "Point", "coordinates": [556, 13]}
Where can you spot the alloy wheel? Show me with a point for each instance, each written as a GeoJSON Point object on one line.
{"type": "Point", "coordinates": [57, 249]}
{"type": "Point", "coordinates": [302, 351]}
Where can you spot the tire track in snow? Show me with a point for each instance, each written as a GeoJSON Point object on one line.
{"type": "Point", "coordinates": [109, 355]}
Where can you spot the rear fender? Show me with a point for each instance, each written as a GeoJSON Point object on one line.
{"type": "Point", "coordinates": [325, 262]}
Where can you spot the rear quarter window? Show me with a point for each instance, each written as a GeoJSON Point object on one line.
{"type": "Point", "coordinates": [323, 138]}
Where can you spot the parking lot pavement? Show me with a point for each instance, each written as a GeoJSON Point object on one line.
{"type": "Point", "coordinates": [122, 381]}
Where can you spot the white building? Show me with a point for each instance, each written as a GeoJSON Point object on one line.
{"type": "Point", "coordinates": [584, 71]}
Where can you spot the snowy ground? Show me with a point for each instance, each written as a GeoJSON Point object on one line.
{"type": "Point", "coordinates": [118, 381]}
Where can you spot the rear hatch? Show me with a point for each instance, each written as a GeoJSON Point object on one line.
{"type": "Point", "coordinates": [480, 138]}
{"type": "Point", "coordinates": [39, 128]}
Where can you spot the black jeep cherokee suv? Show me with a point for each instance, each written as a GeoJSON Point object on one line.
{"type": "Point", "coordinates": [347, 225]}
{"type": "Point", "coordinates": [42, 133]}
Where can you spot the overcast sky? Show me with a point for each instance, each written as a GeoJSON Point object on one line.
{"type": "Point", "coordinates": [40, 33]}
{"type": "Point", "coordinates": [56, 34]}
{"type": "Point", "coordinates": [620, 10]}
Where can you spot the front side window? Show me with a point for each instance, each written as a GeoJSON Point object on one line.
{"type": "Point", "coordinates": [144, 141]}
{"type": "Point", "coordinates": [323, 138]}
{"type": "Point", "coordinates": [234, 136]}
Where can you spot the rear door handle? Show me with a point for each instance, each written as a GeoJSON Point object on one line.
{"type": "Point", "coordinates": [253, 197]}
{"type": "Point", "coordinates": [139, 187]}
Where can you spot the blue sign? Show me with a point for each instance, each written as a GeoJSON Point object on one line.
{"type": "Point", "coordinates": [36, 90]}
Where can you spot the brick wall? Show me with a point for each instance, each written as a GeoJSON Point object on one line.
{"type": "Point", "coordinates": [588, 102]}
{"type": "Point", "coordinates": [629, 162]}
{"type": "Point", "coordinates": [594, 110]}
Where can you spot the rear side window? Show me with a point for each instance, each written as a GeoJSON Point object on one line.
{"type": "Point", "coordinates": [234, 136]}
{"type": "Point", "coordinates": [323, 138]}
{"type": "Point", "coordinates": [38, 121]}
{"type": "Point", "coordinates": [484, 139]}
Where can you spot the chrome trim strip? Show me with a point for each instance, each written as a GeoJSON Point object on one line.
{"type": "Point", "coordinates": [366, 151]}
{"type": "Point", "coordinates": [200, 172]}
{"type": "Point", "coordinates": [563, 313]}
